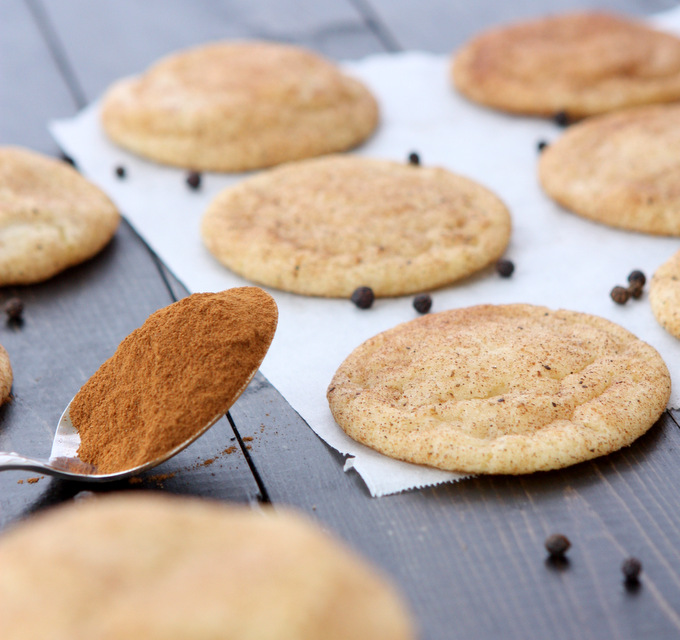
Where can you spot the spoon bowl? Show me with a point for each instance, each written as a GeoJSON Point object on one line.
{"type": "Point", "coordinates": [64, 462]}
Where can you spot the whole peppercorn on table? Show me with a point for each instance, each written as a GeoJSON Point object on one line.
{"type": "Point", "coordinates": [470, 557]}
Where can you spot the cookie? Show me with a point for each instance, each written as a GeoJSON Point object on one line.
{"type": "Point", "coordinates": [51, 218]}
{"type": "Point", "coordinates": [326, 226]}
{"type": "Point", "coordinates": [157, 567]}
{"type": "Point", "coordinates": [500, 389]}
{"type": "Point", "coordinates": [619, 169]}
{"type": "Point", "coordinates": [664, 295]}
{"type": "Point", "coordinates": [236, 106]}
{"type": "Point", "coordinates": [5, 375]}
{"type": "Point", "coordinates": [580, 64]}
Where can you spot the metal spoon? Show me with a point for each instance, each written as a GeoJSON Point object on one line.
{"type": "Point", "coordinates": [64, 462]}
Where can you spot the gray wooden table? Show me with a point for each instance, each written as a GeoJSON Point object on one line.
{"type": "Point", "coordinates": [469, 557]}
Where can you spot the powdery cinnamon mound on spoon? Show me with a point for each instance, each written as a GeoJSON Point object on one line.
{"type": "Point", "coordinates": [172, 378]}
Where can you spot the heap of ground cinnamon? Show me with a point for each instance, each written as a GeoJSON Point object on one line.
{"type": "Point", "coordinates": [183, 368]}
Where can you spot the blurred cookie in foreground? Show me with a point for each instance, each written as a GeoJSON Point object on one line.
{"type": "Point", "coordinates": [573, 64]}
{"type": "Point", "coordinates": [619, 169]}
{"type": "Point", "coordinates": [326, 226]}
{"type": "Point", "coordinates": [664, 295]}
{"type": "Point", "coordinates": [164, 568]}
{"type": "Point", "coordinates": [236, 106]}
{"type": "Point", "coordinates": [51, 218]}
{"type": "Point", "coordinates": [500, 389]}
{"type": "Point", "coordinates": [5, 375]}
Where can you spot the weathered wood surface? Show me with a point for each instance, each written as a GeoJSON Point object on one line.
{"type": "Point", "coordinates": [468, 556]}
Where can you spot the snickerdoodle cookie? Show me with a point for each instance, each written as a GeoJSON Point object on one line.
{"type": "Point", "coordinates": [577, 63]}
{"type": "Point", "coordinates": [236, 106]}
{"type": "Point", "coordinates": [51, 217]}
{"type": "Point", "coordinates": [500, 389]}
{"type": "Point", "coordinates": [664, 295]}
{"type": "Point", "coordinates": [620, 169]}
{"type": "Point", "coordinates": [160, 567]}
{"type": "Point", "coordinates": [5, 375]}
{"type": "Point", "coordinates": [326, 226]}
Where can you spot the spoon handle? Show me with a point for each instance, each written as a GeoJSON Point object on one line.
{"type": "Point", "coordinates": [10, 460]}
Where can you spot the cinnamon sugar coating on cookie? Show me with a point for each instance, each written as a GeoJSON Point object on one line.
{"type": "Point", "coordinates": [577, 63]}
{"type": "Point", "coordinates": [237, 106]}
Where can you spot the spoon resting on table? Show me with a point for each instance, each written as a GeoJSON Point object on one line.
{"type": "Point", "coordinates": [65, 464]}
{"type": "Point", "coordinates": [167, 383]}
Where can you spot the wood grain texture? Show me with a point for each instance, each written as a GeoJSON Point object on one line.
{"type": "Point", "coordinates": [441, 25]}
{"type": "Point", "coordinates": [31, 89]}
{"type": "Point", "coordinates": [470, 555]}
{"type": "Point", "coordinates": [135, 34]}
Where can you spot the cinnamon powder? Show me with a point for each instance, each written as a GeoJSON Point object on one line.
{"type": "Point", "coordinates": [182, 369]}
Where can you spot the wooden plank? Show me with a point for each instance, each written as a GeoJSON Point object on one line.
{"type": "Point", "coordinates": [470, 555]}
{"type": "Point", "coordinates": [149, 30]}
{"type": "Point", "coordinates": [31, 89]}
{"type": "Point", "coordinates": [72, 324]}
{"type": "Point", "coordinates": [441, 26]}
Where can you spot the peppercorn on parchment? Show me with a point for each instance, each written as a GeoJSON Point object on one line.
{"type": "Point", "coordinates": [561, 260]}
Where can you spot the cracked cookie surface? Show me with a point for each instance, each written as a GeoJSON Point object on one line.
{"type": "Point", "coordinates": [581, 64]}
{"type": "Point", "coordinates": [619, 169]}
{"type": "Point", "coordinates": [238, 106]}
{"type": "Point", "coordinates": [500, 389]}
{"type": "Point", "coordinates": [326, 226]}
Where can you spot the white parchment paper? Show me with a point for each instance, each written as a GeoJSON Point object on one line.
{"type": "Point", "coordinates": [562, 261]}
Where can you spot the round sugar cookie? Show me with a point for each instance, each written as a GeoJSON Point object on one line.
{"type": "Point", "coordinates": [578, 63]}
{"type": "Point", "coordinates": [236, 106]}
{"type": "Point", "coordinates": [500, 389]}
{"type": "Point", "coordinates": [326, 226]}
{"type": "Point", "coordinates": [620, 169]}
{"type": "Point", "coordinates": [5, 375]}
{"type": "Point", "coordinates": [664, 295]}
{"type": "Point", "coordinates": [51, 218]}
{"type": "Point", "coordinates": [148, 566]}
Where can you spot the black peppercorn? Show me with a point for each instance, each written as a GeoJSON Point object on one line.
{"type": "Point", "coordinates": [505, 268]}
{"type": "Point", "coordinates": [414, 158]}
{"type": "Point", "coordinates": [637, 278]}
{"type": "Point", "coordinates": [363, 297]}
{"type": "Point", "coordinates": [561, 118]}
{"type": "Point", "coordinates": [635, 290]}
{"type": "Point", "coordinates": [631, 569]}
{"type": "Point", "coordinates": [67, 159]}
{"type": "Point", "coordinates": [542, 144]}
{"type": "Point", "coordinates": [422, 303]}
{"type": "Point", "coordinates": [14, 309]}
{"type": "Point", "coordinates": [120, 171]}
{"type": "Point", "coordinates": [620, 295]}
{"type": "Point", "coordinates": [194, 179]}
{"type": "Point", "coordinates": [557, 545]}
